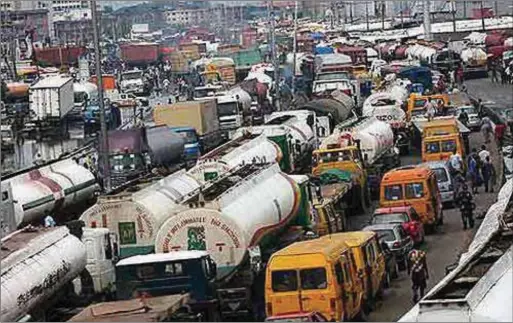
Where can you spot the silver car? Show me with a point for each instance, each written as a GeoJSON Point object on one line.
{"type": "Point", "coordinates": [473, 119]}
{"type": "Point", "coordinates": [444, 180]}
{"type": "Point", "coordinates": [397, 240]}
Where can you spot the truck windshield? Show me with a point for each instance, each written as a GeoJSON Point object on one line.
{"type": "Point", "coordinates": [332, 76]}
{"type": "Point", "coordinates": [131, 76]}
{"type": "Point", "coordinates": [126, 162]}
{"type": "Point", "coordinates": [227, 109]}
{"type": "Point", "coordinates": [331, 86]}
{"type": "Point", "coordinates": [189, 136]}
{"type": "Point", "coordinates": [80, 97]}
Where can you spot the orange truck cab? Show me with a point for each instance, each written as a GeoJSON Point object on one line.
{"type": "Point", "coordinates": [417, 102]}
{"type": "Point", "coordinates": [415, 186]}
{"type": "Point", "coordinates": [314, 276]}
{"type": "Point", "coordinates": [439, 139]}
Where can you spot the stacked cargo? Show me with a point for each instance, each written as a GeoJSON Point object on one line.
{"type": "Point", "coordinates": [179, 62]}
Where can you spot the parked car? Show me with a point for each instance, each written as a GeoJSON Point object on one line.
{"type": "Point", "coordinates": [298, 317]}
{"type": "Point", "coordinates": [444, 180]}
{"type": "Point", "coordinates": [398, 241]}
{"type": "Point", "coordinates": [473, 118]}
{"type": "Point", "coordinates": [404, 215]}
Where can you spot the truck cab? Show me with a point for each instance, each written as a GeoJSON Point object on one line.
{"type": "Point", "coordinates": [230, 112]}
{"type": "Point", "coordinates": [132, 82]}
{"type": "Point", "coordinates": [192, 147]}
{"type": "Point", "coordinates": [170, 273]}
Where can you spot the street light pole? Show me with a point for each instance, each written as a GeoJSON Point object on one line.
{"type": "Point", "coordinates": [294, 49]}
{"type": "Point", "coordinates": [104, 143]}
{"type": "Point", "coordinates": [274, 57]}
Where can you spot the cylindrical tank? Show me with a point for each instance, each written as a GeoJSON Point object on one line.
{"type": "Point", "coordinates": [242, 96]}
{"type": "Point", "coordinates": [340, 106]}
{"type": "Point", "coordinates": [400, 52]}
{"type": "Point", "coordinates": [166, 146]}
{"type": "Point", "coordinates": [375, 136]}
{"type": "Point", "coordinates": [474, 56]}
{"type": "Point", "coordinates": [239, 151]}
{"type": "Point", "coordinates": [136, 217]}
{"type": "Point", "coordinates": [239, 219]}
{"type": "Point", "coordinates": [495, 39]}
{"type": "Point", "coordinates": [17, 90]}
{"type": "Point", "coordinates": [385, 106]}
{"type": "Point", "coordinates": [51, 188]}
{"type": "Point", "coordinates": [42, 266]}
{"type": "Point", "coordinates": [88, 88]}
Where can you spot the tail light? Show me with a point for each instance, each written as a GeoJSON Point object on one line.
{"type": "Point", "coordinates": [333, 304]}
{"type": "Point", "coordinates": [397, 244]}
{"type": "Point", "coordinates": [269, 309]}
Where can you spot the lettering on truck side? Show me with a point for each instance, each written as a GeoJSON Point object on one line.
{"type": "Point", "coordinates": [196, 220]}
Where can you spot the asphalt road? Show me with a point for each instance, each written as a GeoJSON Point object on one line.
{"type": "Point", "coordinates": [488, 91]}
{"type": "Point", "coordinates": [444, 247]}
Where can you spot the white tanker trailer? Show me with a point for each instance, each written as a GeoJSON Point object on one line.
{"type": "Point", "coordinates": [247, 149]}
{"type": "Point", "coordinates": [51, 188]}
{"type": "Point", "coordinates": [238, 222]}
{"type": "Point", "coordinates": [136, 217]}
{"type": "Point", "coordinates": [39, 263]}
{"type": "Point", "coordinates": [301, 137]}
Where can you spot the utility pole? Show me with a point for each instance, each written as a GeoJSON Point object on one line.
{"type": "Point", "coordinates": [402, 14]}
{"type": "Point", "coordinates": [367, 15]}
{"type": "Point", "coordinates": [482, 16]}
{"type": "Point", "coordinates": [465, 9]}
{"type": "Point", "coordinates": [294, 49]}
{"type": "Point", "coordinates": [496, 8]}
{"type": "Point", "coordinates": [427, 20]}
{"type": "Point", "coordinates": [453, 11]}
{"type": "Point", "coordinates": [104, 142]}
{"type": "Point", "coordinates": [274, 58]}
{"type": "Point", "coordinates": [382, 14]}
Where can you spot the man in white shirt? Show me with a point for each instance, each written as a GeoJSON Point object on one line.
{"type": "Point", "coordinates": [483, 153]}
{"type": "Point", "coordinates": [456, 162]}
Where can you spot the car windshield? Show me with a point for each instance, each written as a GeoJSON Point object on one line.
{"type": "Point", "coordinates": [468, 109]}
{"type": "Point", "coordinates": [390, 218]}
{"type": "Point", "coordinates": [385, 235]}
{"type": "Point", "coordinates": [441, 175]}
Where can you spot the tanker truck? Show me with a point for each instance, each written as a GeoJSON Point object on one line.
{"type": "Point", "coordinates": [247, 149]}
{"type": "Point", "coordinates": [337, 108]}
{"type": "Point", "coordinates": [136, 215]}
{"type": "Point", "coordinates": [362, 147]}
{"type": "Point", "coordinates": [135, 151]}
{"type": "Point", "coordinates": [474, 61]}
{"type": "Point", "coordinates": [387, 106]}
{"type": "Point", "coordinates": [300, 128]}
{"type": "Point", "coordinates": [239, 221]}
{"type": "Point", "coordinates": [46, 268]}
{"type": "Point", "coordinates": [58, 188]}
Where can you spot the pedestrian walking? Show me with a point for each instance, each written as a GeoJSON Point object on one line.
{"type": "Point", "coordinates": [504, 76]}
{"type": "Point", "coordinates": [473, 171]}
{"type": "Point", "coordinates": [483, 154]}
{"type": "Point", "coordinates": [417, 269]}
{"type": "Point", "coordinates": [466, 204]}
{"type": "Point", "coordinates": [460, 76]}
{"type": "Point", "coordinates": [486, 129]}
{"type": "Point", "coordinates": [494, 74]}
{"type": "Point", "coordinates": [489, 175]}
{"type": "Point", "coordinates": [430, 110]}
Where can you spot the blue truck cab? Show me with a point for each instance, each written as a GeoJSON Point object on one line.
{"type": "Point", "coordinates": [192, 147]}
{"type": "Point", "coordinates": [162, 274]}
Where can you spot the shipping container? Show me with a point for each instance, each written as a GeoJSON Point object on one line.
{"type": "Point", "coordinates": [57, 56]}
{"type": "Point", "coordinates": [144, 53]}
{"type": "Point", "coordinates": [201, 115]}
{"type": "Point", "coordinates": [52, 97]}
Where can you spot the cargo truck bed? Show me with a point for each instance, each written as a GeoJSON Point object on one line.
{"type": "Point", "coordinates": [154, 309]}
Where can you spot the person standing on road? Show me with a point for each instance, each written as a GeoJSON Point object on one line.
{"type": "Point", "coordinates": [459, 75]}
{"type": "Point", "coordinates": [486, 129]}
{"type": "Point", "coordinates": [489, 175]}
{"type": "Point", "coordinates": [417, 268]}
{"type": "Point", "coordinates": [466, 205]}
{"type": "Point", "coordinates": [483, 153]}
{"type": "Point", "coordinates": [475, 177]}
{"type": "Point", "coordinates": [494, 73]}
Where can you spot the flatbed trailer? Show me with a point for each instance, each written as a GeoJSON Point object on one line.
{"type": "Point", "coordinates": [152, 309]}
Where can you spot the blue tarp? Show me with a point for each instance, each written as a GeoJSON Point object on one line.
{"type": "Point", "coordinates": [317, 36]}
{"type": "Point", "coordinates": [319, 50]}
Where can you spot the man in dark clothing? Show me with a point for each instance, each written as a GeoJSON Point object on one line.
{"type": "Point", "coordinates": [494, 74]}
{"type": "Point", "coordinates": [465, 202]}
{"type": "Point", "coordinates": [417, 268]}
